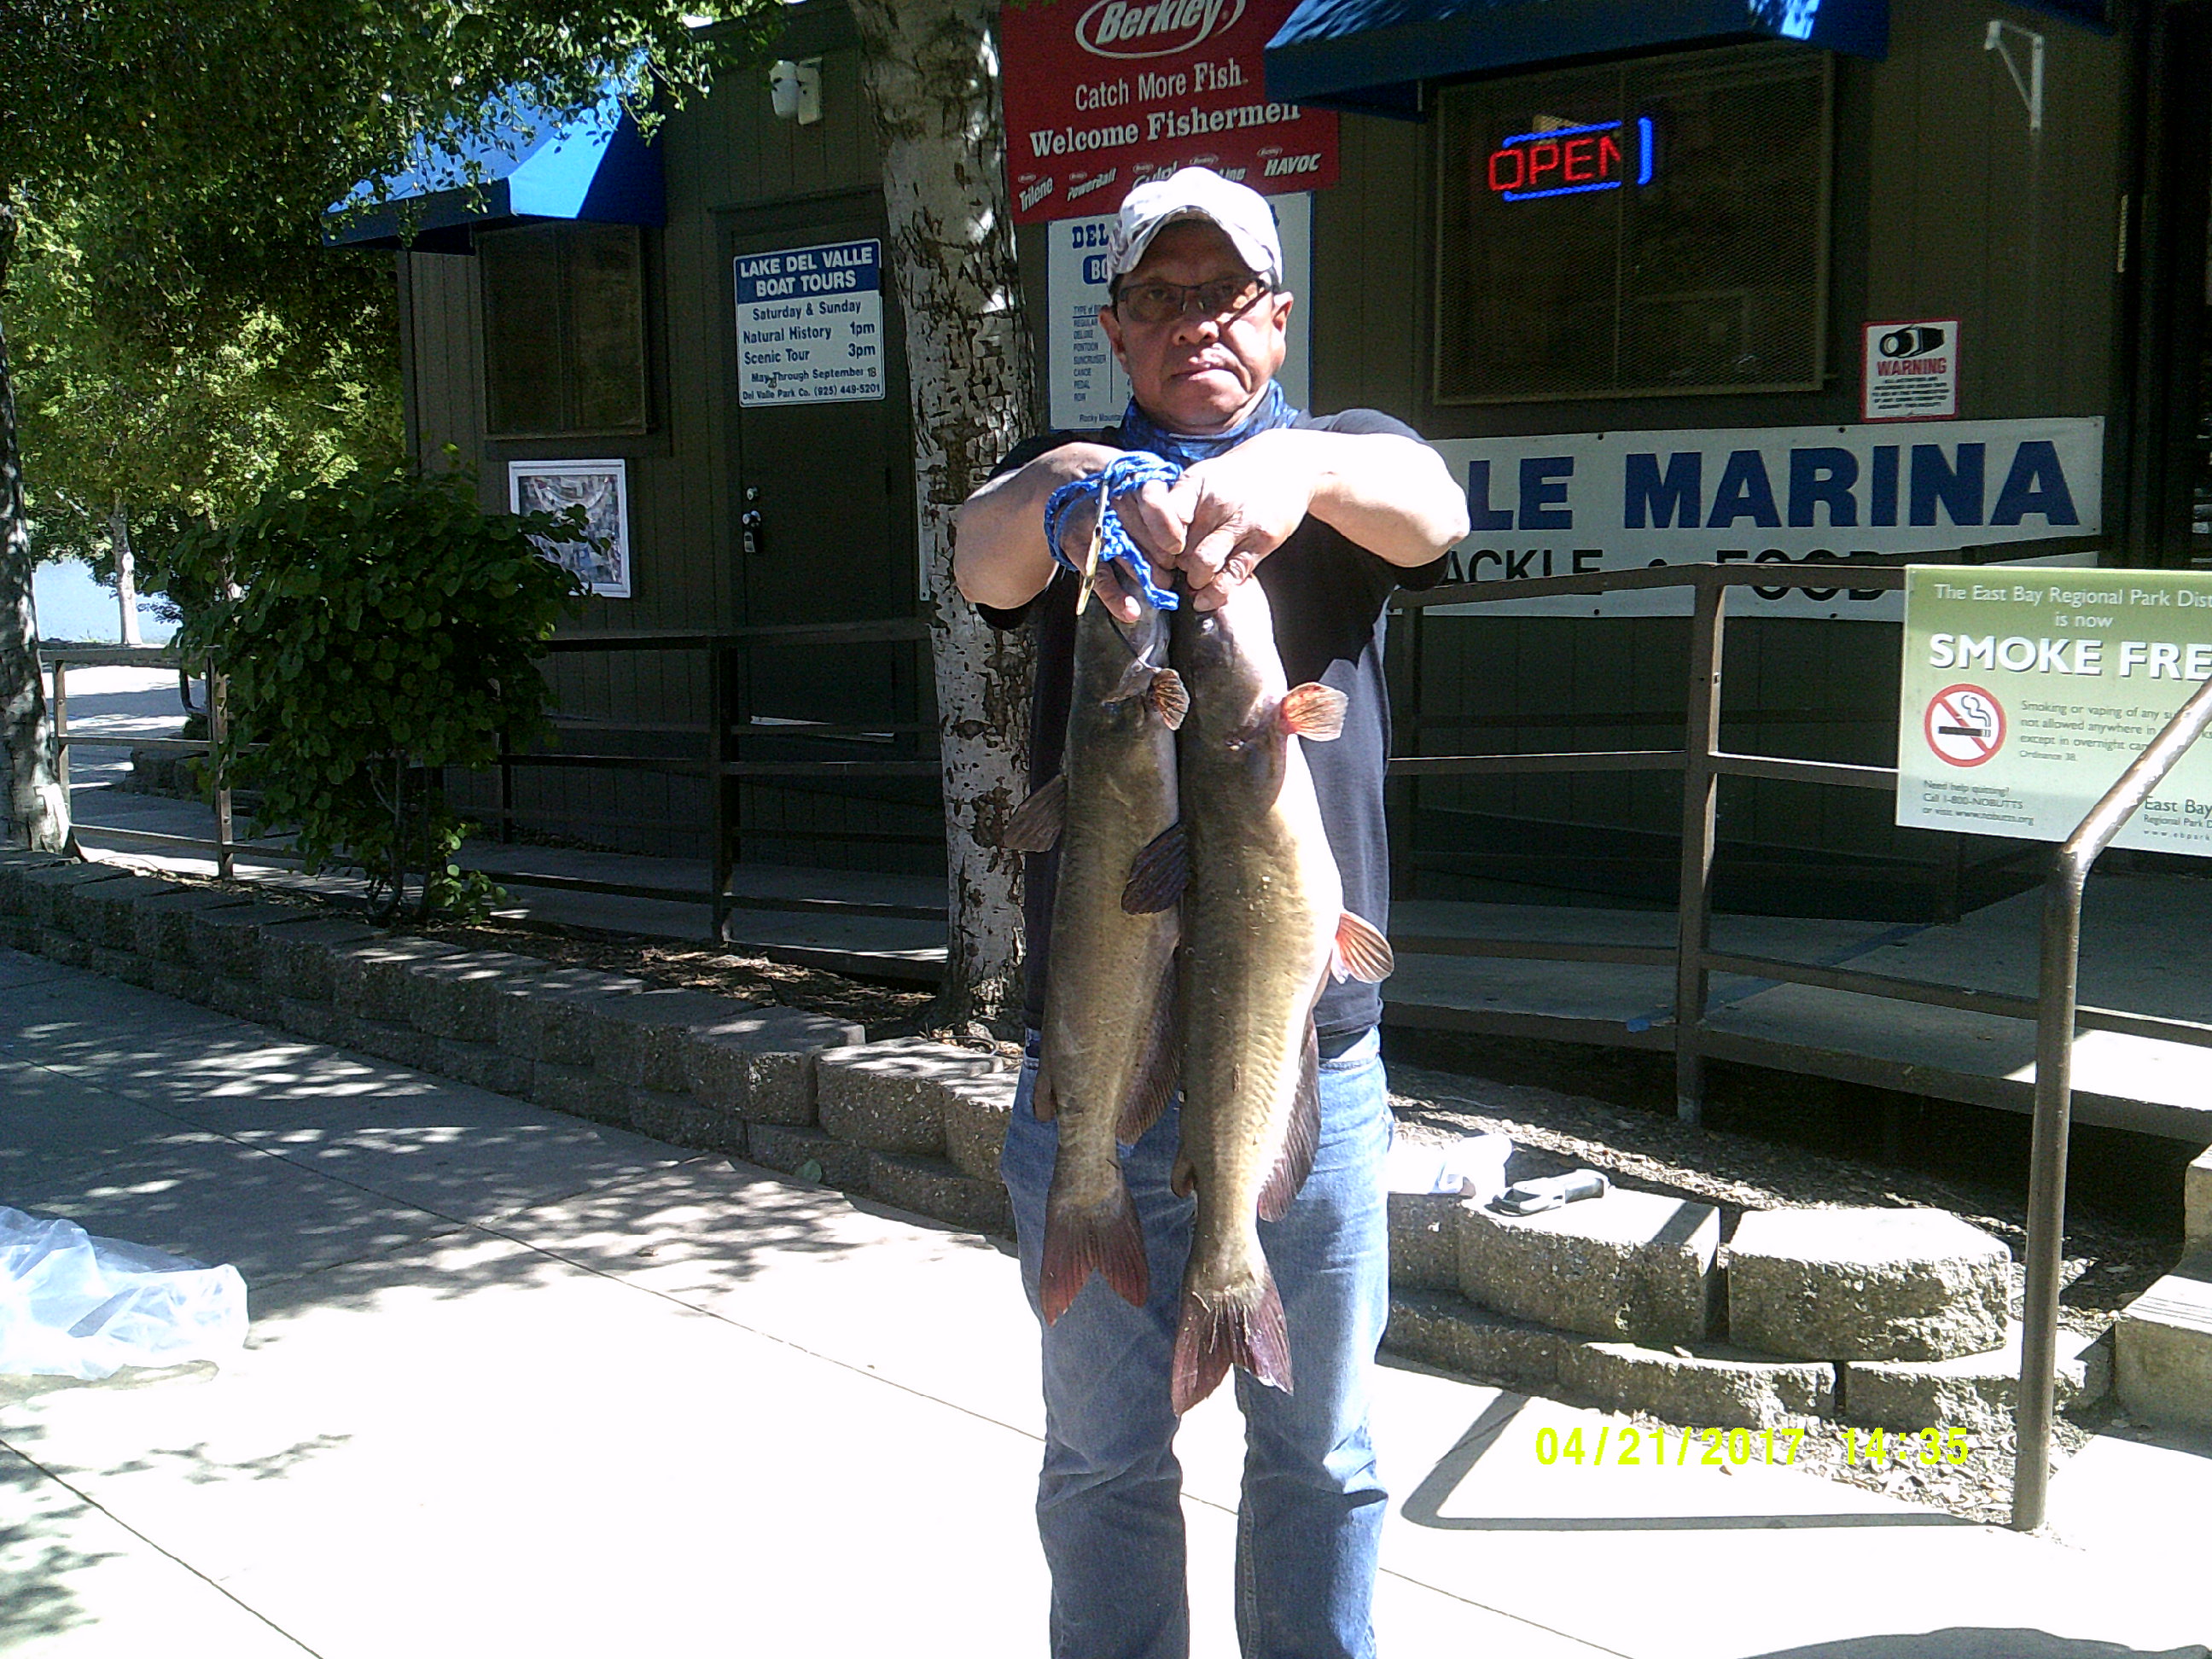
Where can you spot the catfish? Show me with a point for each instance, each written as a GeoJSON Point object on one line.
{"type": "Point", "coordinates": [1264, 929]}
{"type": "Point", "coordinates": [1108, 1065]}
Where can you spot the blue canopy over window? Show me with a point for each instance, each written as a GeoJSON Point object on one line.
{"type": "Point", "coordinates": [595, 167]}
{"type": "Point", "coordinates": [1371, 56]}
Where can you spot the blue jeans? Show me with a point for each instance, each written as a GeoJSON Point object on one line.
{"type": "Point", "coordinates": [1110, 1508]}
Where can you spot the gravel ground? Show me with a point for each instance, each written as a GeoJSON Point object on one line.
{"type": "Point", "coordinates": [2107, 1264]}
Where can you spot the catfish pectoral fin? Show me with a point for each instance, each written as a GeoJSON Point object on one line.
{"type": "Point", "coordinates": [1036, 823]}
{"type": "Point", "coordinates": [1361, 953]}
{"type": "Point", "coordinates": [1213, 1335]}
{"type": "Point", "coordinates": [1170, 699]}
{"type": "Point", "coordinates": [1313, 710]}
{"type": "Point", "coordinates": [1161, 873]}
{"type": "Point", "coordinates": [1079, 1241]}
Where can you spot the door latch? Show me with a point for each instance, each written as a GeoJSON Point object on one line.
{"type": "Point", "coordinates": [749, 524]}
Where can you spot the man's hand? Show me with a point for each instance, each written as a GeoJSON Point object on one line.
{"type": "Point", "coordinates": [1228, 513]}
{"type": "Point", "coordinates": [1391, 495]}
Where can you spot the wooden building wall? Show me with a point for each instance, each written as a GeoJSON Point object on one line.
{"type": "Point", "coordinates": [1943, 204]}
{"type": "Point", "coordinates": [728, 164]}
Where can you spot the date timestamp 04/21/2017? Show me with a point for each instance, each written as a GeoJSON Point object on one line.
{"type": "Point", "coordinates": [1659, 1448]}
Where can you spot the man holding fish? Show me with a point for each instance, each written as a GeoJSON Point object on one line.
{"type": "Point", "coordinates": [1196, 1152]}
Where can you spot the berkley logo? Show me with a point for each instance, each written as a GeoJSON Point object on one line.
{"type": "Point", "coordinates": [1118, 28]}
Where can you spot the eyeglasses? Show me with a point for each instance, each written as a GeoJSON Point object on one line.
{"type": "Point", "coordinates": [1171, 302]}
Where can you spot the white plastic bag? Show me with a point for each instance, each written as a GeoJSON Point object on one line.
{"type": "Point", "coordinates": [1472, 1166]}
{"type": "Point", "coordinates": [74, 1305]}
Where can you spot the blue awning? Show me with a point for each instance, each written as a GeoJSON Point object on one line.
{"type": "Point", "coordinates": [1371, 56]}
{"type": "Point", "coordinates": [595, 167]}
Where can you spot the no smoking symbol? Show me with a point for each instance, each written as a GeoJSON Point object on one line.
{"type": "Point", "coordinates": [1965, 724]}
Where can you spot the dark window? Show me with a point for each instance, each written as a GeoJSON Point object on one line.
{"type": "Point", "coordinates": [1659, 226]}
{"type": "Point", "coordinates": [564, 330]}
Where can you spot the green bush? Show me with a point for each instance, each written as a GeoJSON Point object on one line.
{"type": "Point", "coordinates": [378, 628]}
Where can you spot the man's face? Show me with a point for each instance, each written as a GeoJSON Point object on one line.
{"type": "Point", "coordinates": [1196, 373]}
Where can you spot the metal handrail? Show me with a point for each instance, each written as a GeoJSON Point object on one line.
{"type": "Point", "coordinates": [714, 765]}
{"type": "Point", "coordinates": [2054, 1095]}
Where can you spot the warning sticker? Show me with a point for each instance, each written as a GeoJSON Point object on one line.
{"type": "Point", "coordinates": [1911, 370]}
{"type": "Point", "coordinates": [1965, 725]}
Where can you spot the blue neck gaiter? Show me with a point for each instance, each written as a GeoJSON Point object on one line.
{"type": "Point", "coordinates": [1140, 431]}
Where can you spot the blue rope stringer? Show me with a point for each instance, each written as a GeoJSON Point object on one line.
{"type": "Point", "coordinates": [1122, 475]}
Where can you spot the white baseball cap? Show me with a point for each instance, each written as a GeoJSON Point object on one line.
{"type": "Point", "coordinates": [1241, 212]}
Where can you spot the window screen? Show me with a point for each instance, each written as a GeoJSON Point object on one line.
{"type": "Point", "coordinates": [564, 330]}
{"type": "Point", "coordinates": [1654, 227]}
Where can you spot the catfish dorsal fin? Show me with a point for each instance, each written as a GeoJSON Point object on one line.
{"type": "Point", "coordinates": [1313, 710]}
{"type": "Point", "coordinates": [1361, 953]}
{"type": "Point", "coordinates": [1036, 823]}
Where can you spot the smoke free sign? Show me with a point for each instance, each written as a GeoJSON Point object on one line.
{"type": "Point", "coordinates": [2026, 693]}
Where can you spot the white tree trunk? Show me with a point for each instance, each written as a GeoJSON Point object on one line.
{"type": "Point", "coordinates": [126, 575]}
{"type": "Point", "coordinates": [931, 70]}
{"type": "Point", "coordinates": [38, 807]}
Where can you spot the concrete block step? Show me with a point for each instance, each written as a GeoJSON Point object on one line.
{"type": "Point", "coordinates": [296, 958]}
{"type": "Point", "coordinates": [1973, 1391]}
{"type": "Point", "coordinates": [370, 979]}
{"type": "Point", "coordinates": [226, 938]}
{"type": "Point", "coordinates": [1866, 1283]}
{"type": "Point", "coordinates": [1447, 1330]}
{"type": "Point", "coordinates": [1630, 1266]}
{"type": "Point", "coordinates": [932, 1187]}
{"type": "Point", "coordinates": [1424, 1241]}
{"type": "Point", "coordinates": [1710, 1386]}
{"type": "Point", "coordinates": [553, 1016]}
{"type": "Point", "coordinates": [794, 1150]}
{"type": "Point", "coordinates": [456, 997]}
{"type": "Point", "coordinates": [682, 1119]}
{"type": "Point", "coordinates": [16, 863]}
{"type": "Point", "coordinates": [976, 1111]}
{"type": "Point", "coordinates": [106, 913]}
{"type": "Point", "coordinates": [1713, 1385]}
{"type": "Point", "coordinates": [2162, 1348]}
{"type": "Point", "coordinates": [163, 930]}
{"type": "Point", "coordinates": [45, 889]}
{"type": "Point", "coordinates": [892, 1096]}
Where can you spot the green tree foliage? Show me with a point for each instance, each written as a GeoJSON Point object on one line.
{"type": "Point", "coordinates": [219, 134]}
{"type": "Point", "coordinates": [384, 627]}
{"type": "Point", "coordinates": [174, 427]}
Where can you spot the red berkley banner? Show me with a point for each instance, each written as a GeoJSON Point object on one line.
{"type": "Point", "coordinates": [1101, 94]}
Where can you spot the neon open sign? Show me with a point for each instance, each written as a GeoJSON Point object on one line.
{"type": "Point", "coordinates": [1572, 161]}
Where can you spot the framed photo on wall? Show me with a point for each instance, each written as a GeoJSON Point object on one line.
{"type": "Point", "coordinates": [602, 489]}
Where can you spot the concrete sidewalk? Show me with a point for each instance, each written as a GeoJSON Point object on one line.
{"type": "Point", "coordinates": [519, 1384]}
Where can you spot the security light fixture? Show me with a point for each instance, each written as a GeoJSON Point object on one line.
{"type": "Point", "coordinates": [795, 90]}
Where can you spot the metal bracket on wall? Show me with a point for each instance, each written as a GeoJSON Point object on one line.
{"type": "Point", "coordinates": [2031, 84]}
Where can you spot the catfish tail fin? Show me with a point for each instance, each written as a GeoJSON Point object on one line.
{"type": "Point", "coordinates": [1226, 1331]}
{"type": "Point", "coordinates": [1079, 1241]}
